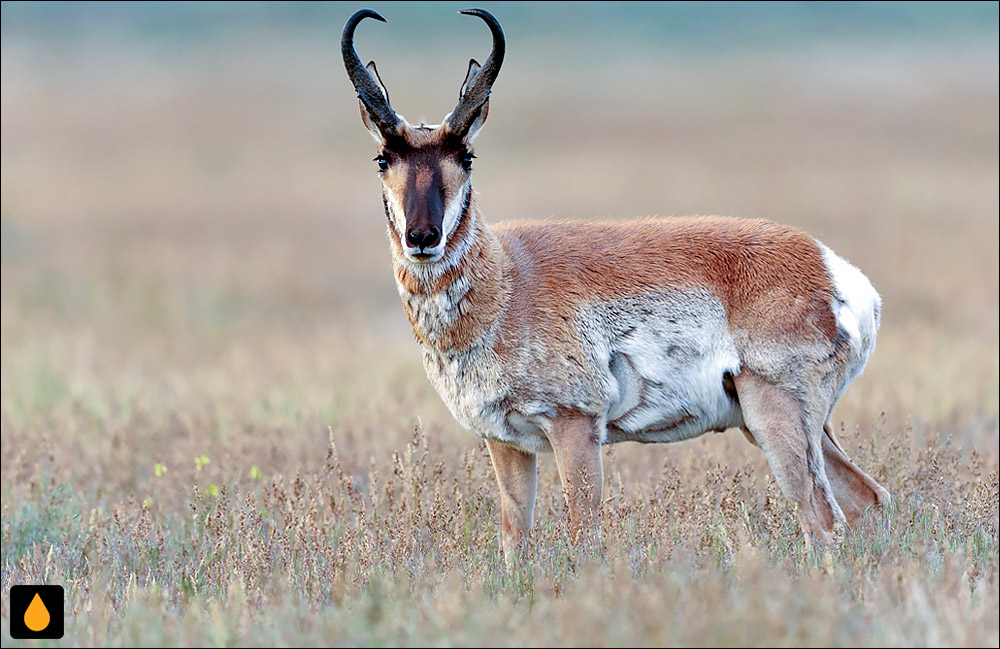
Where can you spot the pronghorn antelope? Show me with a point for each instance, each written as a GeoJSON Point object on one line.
{"type": "Point", "coordinates": [565, 336]}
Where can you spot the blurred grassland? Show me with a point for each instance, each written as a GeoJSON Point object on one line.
{"type": "Point", "coordinates": [194, 265]}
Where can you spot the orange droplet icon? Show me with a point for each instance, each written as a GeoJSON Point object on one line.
{"type": "Point", "coordinates": [37, 616]}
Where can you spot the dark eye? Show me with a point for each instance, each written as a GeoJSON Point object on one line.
{"type": "Point", "coordinates": [383, 163]}
{"type": "Point", "coordinates": [467, 162]}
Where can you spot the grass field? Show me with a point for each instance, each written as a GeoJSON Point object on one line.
{"type": "Point", "coordinates": [215, 424]}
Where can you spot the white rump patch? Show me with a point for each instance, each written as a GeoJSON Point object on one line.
{"type": "Point", "coordinates": [857, 307]}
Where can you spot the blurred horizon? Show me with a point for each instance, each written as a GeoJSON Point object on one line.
{"type": "Point", "coordinates": [76, 38]}
{"type": "Point", "coordinates": [695, 25]}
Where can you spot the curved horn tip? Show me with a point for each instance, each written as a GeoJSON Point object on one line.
{"type": "Point", "coordinates": [361, 14]}
{"type": "Point", "coordinates": [487, 17]}
{"type": "Point", "coordinates": [371, 93]}
{"type": "Point", "coordinates": [474, 11]}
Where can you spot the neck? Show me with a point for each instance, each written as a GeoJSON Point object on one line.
{"type": "Point", "coordinates": [454, 303]}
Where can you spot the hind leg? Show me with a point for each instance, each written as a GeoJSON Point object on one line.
{"type": "Point", "coordinates": [855, 490]}
{"type": "Point", "coordinates": [781, 426]}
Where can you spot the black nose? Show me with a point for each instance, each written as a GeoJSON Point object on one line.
{"type": "Point", "coordinates": [423, 237]}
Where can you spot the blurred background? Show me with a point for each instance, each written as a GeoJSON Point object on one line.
{"type": "Point", "coordinates": [193, 246]}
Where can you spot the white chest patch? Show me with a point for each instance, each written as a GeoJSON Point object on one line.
{"type": "Point", "coordinates": [476, 386]}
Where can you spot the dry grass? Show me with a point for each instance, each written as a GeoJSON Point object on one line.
{"type": "Point", "coordinates": [215, 425]}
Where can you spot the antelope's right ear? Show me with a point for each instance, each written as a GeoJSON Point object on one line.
{"type": "Point", "coordinates": [366, 117]}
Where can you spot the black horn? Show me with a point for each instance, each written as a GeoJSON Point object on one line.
{"type": "Point", "coordinates": [368, 91]}
{"type": "Point", "coordinates": [478, 90]}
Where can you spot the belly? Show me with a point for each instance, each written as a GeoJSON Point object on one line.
{"type": "Point", "coordinates": [665, 365]}
{"type": "Point", "coordinates": [655, 404]}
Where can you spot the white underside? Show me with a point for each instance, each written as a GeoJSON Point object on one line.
{"type": "Point", "coordinates": [660, 360]}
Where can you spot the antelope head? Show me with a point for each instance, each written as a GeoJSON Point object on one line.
{"type": "Point", "coordinates": [425, 169]}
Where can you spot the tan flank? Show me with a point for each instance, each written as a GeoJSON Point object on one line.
{"type": "Point", "coordinates": [563, 336]}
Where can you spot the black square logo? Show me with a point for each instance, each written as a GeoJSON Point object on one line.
{"type": "Point", "coordinates": [36, 612]}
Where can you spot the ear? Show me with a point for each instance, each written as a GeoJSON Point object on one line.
{"type": "Point", "coordinates": [366, 119]}
{"type": "Point", "coordinates": [469, 76]}
{"type": "Point", "coordinates": [481, 117]}
{"type": "Point", "coordinates": [478, 122]}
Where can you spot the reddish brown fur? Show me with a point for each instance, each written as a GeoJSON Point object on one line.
{"type": "Point", "coordinates": [771, 278]}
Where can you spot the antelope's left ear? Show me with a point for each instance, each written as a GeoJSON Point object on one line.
{"type": "Point", "coordinates": [478, 122]}
{"type": "Point", "coordinates": [481, 117]}
{"type": "Point", "coordinates": [366, 119]}
{"type": "Point", "coordinates": [469, 76]}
